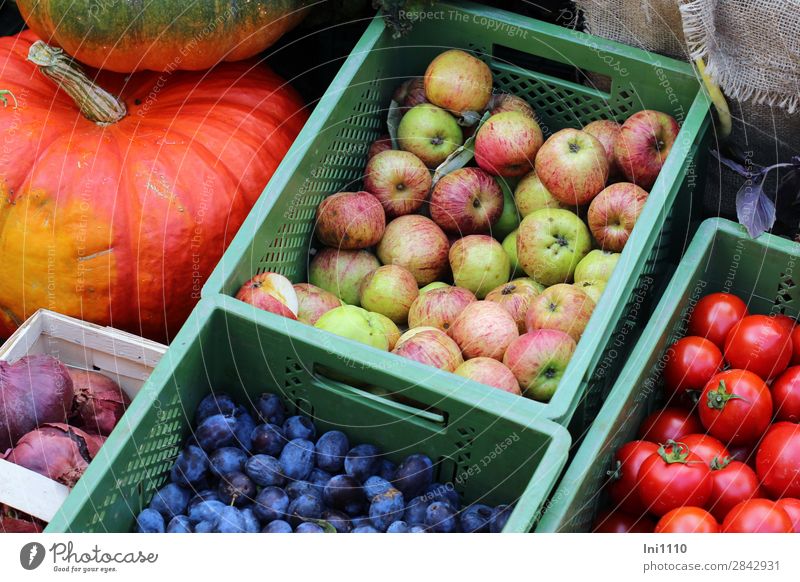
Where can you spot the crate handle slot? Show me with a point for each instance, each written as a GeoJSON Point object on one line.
{"type": "Point", "coordinates": [326, 383]}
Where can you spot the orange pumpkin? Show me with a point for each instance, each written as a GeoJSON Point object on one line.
{"type": "Point", "coordinates": [119, 219]}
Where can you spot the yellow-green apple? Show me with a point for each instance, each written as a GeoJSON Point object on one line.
{"type": "Point", "coordinates": [430, 133]}
{"type": "Point", "coordinates": [484, 329]}
{"type": "Point", "coordinates": [515, 297]}
{"type": "Point", "coordinates": [613, 214]}
{"type": "Point", "coordinates": [341, 272]}
{"type": "Point", "coordinates": [430, 346]}
{"type": "Point", "coordinates": [271, 292]}
{"type": "Point", "coordinates": [458, 82]}
{"type": "Point", "coordinates": [350, 220]}
{"type": "Point", "coordinates": [399, 180]}
{"type": "Point", "coordinates": [439, 307]}
{"type": "Point", "coordinates": [382, 144]}
{"type": "Point", "coordinates": [592, 287]}
{"type": "Point", "coordinates": [479, 264]}
{"type": "Point", "coordinates": [572, 165]}
{"type": "Point", "coordinates": [418, 244]}
{"type": "Point", "coordinates": [644, 142]}
{"type": "Point", "coordinates": [509, 218]}
{"type": "Point", "coordinates": [313, 302]}
{"type": "Point", "coordinates": [389, 290]}
{"type": "Point", "coordinates": [606, 131]}
{"type": "Point", "coordinates": [409, 93]}
{"type": "Point", "coordinates": [390, 330]}
{"type": "Point", "coordinates": [432, 286]}
{"type": "Point", "coordinates": [510, 247]}
{"type": "Point", "coordinates": [562, 307]}
{"type": "Point", "coordinates": [550, 244]}
{"type": "Point", "coordinates": [490, 372]}
{"type": "Point", "coordinates": [531, 195]}
{"type": "Point", "coordinates": [466, 201]}
{"type": "Point", "coordinates": [507, 143]}
{"type": "Point", "coordinates": [538, 360]}
{"type": "Point", "coordinates": [598, 264]}
{"type": "Point", "coordinates": [356, 324]}
{"type": "Point", "coordinates": [502, 102]}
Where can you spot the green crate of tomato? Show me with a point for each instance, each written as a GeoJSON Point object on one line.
{"type": "Point", "coordinates": [486, 457]}
{"type": "Point", "coordinates": [709, 373]}
{"type": "Point", "coordinates": [550, 68]}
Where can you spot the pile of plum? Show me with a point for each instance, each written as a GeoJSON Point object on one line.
{"type": "Point", "coordinates": [237, 476]}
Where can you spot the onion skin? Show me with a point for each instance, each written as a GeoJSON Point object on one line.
{"type": "Point", "coordinates": [34, 390]}
{"type": "Point", "coordinates": [57, 451]}
{"type": "Point", "coordinates": [99, 402]}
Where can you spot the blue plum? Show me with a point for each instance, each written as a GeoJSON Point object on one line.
{"type": "Point", "coordinates": [304, 507]}
{"type": "Point", "coordinates": [375, 486]}
{"type": "Point", "coordinates": [271, 503]}
{"type": "Point", "coordinates": [171, 500]}
{"type": "Point", "coordinates": [190, 467]}
{"type": "Point", "coordinates": [179, 524]}
{"type": "Point", "coordinates": [236, 488]}
{"type": "Point", "coordinates": [499, 518]}
{"type": "Point", "coordinates": [362, 461]}
{"type": "Point", "coordinates": [214, 403]}
{"type": "Point", "coordinates": [206, 511]}
{"type": "Point", "coordinates": [446, 493]}
{"type": "Point", "coordinates": [244, 428]}
{"type": "Point", "coordinates": [476, 518]}
{"type": "Point", "coordinates": [341, 491]}
{"type": "Point", "coordinates": [440, 518]}
{"type": "Point", "coordinates": [264, 470]}
{"type": "Point", "coordinates": [417, 529]}
{"type": "Point", "coordinates": [205, 527]}
{"type": "Point", "coordinates": [360, 521]}
{"type": "Point", "coordinates": [231, 520]}
{"type": "Point", "coordinates": [270, 409]}
{"type": "Point", "coordinates": [203, 495]}
{"type": "Point", "coordinates": [216, 431]}
{"type": "Point", "coordinates": [386, 508]}
{"type": "Point", "coordinates": [277, 526]}
{"type": "Point", "coordinates": [339, 520]}
{"type": "Point", "coordinates": [268, 439]}
{"type": "Point", "coordinates": [297, 459]}
{"type": "Point", "coordinates": [309, 527]}
{"type": "Point", "coordinates": [365, 529]}
{"type": "Point", "coordinates": [415, 510]}
{"type": "Point", "coordinates": [414, 475]}
{"type": "Point", "coordinates": [297, 488]}
{"type": "Point", "coordinates": [251, 522]}
{"type": "Point", "coordinates": [397, 527]}
{"type": "Point", "coordinates": [300, 427]}
{"type": "Point", "coordinates": [150, 521]}
{"type": "Point", "coordinates": [227, 460]}
{"type": "Point", "coordinates": [387, 470]}
{"type": "Point", "coordinates": [331, 449]}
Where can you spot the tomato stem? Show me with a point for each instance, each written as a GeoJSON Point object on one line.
{"type": "Point", "coordinates": [717, 464]}
{"type": "Point", "coordinates": [719, 398]}
{"type": "Point", "coordinates": [678, 452]}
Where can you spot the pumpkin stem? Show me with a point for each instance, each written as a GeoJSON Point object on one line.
{"type": "Point", "coordinates": [4, 99]}
{"type": "Point", "coordinates": [96, 104]}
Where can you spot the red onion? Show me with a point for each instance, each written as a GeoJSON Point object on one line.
{"type": "Point", "coordinates": [33, 390]}
{"type": "Point", "coordinates": [58, 451]}
{"type": "Point", "coordinates": [99, 402]}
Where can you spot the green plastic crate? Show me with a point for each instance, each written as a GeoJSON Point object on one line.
{"type": "Point", "coordinates": [490, 458]}
{"type": "Point", "coordinates": [330, 155]}
{"type": "Point", "coordinates": [722, 258]}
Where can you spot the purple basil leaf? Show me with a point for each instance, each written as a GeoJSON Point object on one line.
{"type": "Point", "coordinates": [754, 209]}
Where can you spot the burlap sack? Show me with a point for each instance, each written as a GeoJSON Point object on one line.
{"type": "Point", "coordinates": [653, 25]}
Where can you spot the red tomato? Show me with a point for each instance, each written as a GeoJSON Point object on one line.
{"type": "Point", "coordinates": [732, 483]}
{"type": "Point", "coordinates": [792, 508]}
{"type": "Point", "coordinates": [691, 362]}
{"type": "Point", "coordinates": [786, 395]}
{"type": "Point", "coordinates": [618, 522]}
{"type": "Point", "coordinates": [757, 516]}
{"type": "Point", "coordinates": [736, 407]}
{"type": "Point", "coordinates": [706, 447]}
{"type": "Point", "coordinates": [786, 321]}
{"type": "Point", "coordinates": [669, 424]}
{"type": "Point", "coordinates": [760, 344]}
{"type": "Point", "coordinates": [778, 460]}
{"type": "Point", "coordinates": [715, 315]}
{"type": "Point", "coordinates": [796, 346]}
{"type": "Point", "coordinates": [626, 462]}
{"type": "Point", "coordinates": [673, 477]}
{"type": "Point", "coordinates": [687, 520]}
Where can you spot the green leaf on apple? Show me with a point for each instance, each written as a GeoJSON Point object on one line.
{"type": "Point", "coordinates": [393, 120]}
{"type": "Point", "coordinates": [460, 157]}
